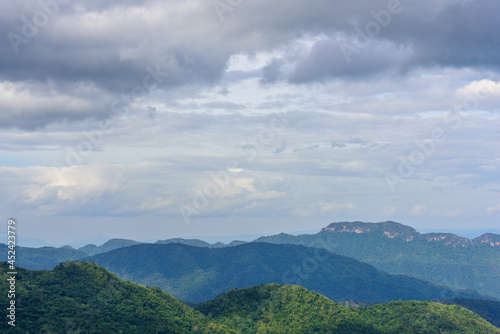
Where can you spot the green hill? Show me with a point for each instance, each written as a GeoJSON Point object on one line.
{"type": "Point", "coordinates": [46, 258]}
{"type": "Point", "coordinates": [196, 274]}
{"type": "Point", "coordinates": [109, 245]}
{"type": "Point", "coordinates": [272, 308]}
{"type": "Point", "coordinates": [487, 309]}
{"type": "Point", "coordinates": [443, 258]}
{"type": "Point", "coordinates": [85, 298]}
{"type": "Point", "coordinates": [43, 258]}
{"type": "Point", "coordinates": [424, 317]}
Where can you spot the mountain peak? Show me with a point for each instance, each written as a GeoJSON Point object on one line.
{"type": "Point", "coordinates": [448, 239]}
{"type": "Point", "coordinates": [389, 229]}
{"type": "Point", "coordinates": [395, 230]}
{"type": "Point", "coordinates": [489, 239]}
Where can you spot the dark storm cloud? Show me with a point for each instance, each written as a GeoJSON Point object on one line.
{"type": "Point", "coordinates": [420, 34]}
{"type": "Point", "coordinates": [109, 45]}
{"type": "Point", "coordinates": [463, 34]}
{"type": "Point", "coordinates": [272, 72]}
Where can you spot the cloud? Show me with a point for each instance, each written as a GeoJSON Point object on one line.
{"type": "Point", "coordinates": [326, 60]}
{"type": "Point", "coordinates": [108, 47]}
{"type": "Point", "coordinates": [333, 206]}
{"type": "Point", "coordinates": [418, 209]}
{"type": "Point", "coordinates": [31, 105]}
{"type": "Point", "coordinates": [87, 190]}
{"type": "Point", "coordinates": [493, 209]}
{"type": "Point", "coordinates": [322, 207]}
{"type": "Point", "coordinates": [480, 95]}
{"type": "Point", "coordinates": [185, 99]}
{"type": "Point", "coordinates": [389, 210]}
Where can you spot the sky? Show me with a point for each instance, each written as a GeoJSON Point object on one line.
{"type": "Point", "coordinates": [158, 119]}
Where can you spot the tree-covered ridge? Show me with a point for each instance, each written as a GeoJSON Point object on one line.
{"type": "Point", "coordinates": [487, 309]}
{"type": "Point", "coordinates": [43, 258]}
{"type": "Point", "coordinates": [197, 274]}
{"type": "Point", "coordinates": [46, 258]}
{"type": "Point", "coordinates": [109, 245]}
{"type": "Point", "coordinates": [393, 230]}
{"type": "Point", "coordinates": [86, 298]}
{"type": "Point", "coordinates": [424, 317]}
{"type": "Point", "coordinates": [273, 308]}
{"type": "Point", "coordinates": [441, 258]}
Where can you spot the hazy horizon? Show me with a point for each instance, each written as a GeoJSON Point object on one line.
{"type": "Point", "coordinates": [101, 239]}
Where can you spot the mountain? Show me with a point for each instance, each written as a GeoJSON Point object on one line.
{"type": "Point", "coordinates": [27, 242]}
{"type": "Point", "coordinates": [272, 308]}
{"type": "Point", "coordinates": [109, 245]}
{"type": "Point", "coordinates": [46, 258]}
{"type": "Point", "coordinates": [199, 243]}
{"type": "Point", "coordinates": [196, 274]}
{"type": "Point", "coordinates": [43, 258]}
{"type": "Point", "coordinates": [120, 243]}
{"type": "Point", "coordinates": [423, 317]}
{"type": "Point", "coordinates": [443, 258]}
{"type": "Point", "coordinates": [85, 298]}
{"type": "Point", "coordinates": [393, 230]}
{"type": "Point", "coordinates": [487, 309]}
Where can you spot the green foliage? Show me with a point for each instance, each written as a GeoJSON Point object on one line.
{"type": "Point", "coordinates": [44, 258]}
{"type": "Point", "coordinates": [451, 261]}
{"type": "Point", "coordinates": [424, 317]}
{"type": "Point", "coordinates": [487, 309]}
{"type": "Point", "coordinates": [273, 308]}
{"type": "Point", "coordinates": [197, 274]}
{"type": "Point", "coordinates": [85, 298]}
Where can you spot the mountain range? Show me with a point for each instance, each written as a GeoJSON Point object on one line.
{"type": "Point", "coordinates": [378, 260]}
{"type": "Point", "coordinates": [86, 298]}
{"type": "Point", "coordinates": [443, 258]}
{"type": "Point", "coordinates": [197, 274]}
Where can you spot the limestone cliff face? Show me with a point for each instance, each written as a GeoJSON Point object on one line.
{"type": "Point", "coordinates": [389, 229]}
{"type": "Point", "coordinates": [395, 230]}
{"type": "Point", "coordinates": [490, 239]}
{"type": "Point", "coordinates": [448, 239]}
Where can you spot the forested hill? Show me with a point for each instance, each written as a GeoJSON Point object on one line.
{"type": "Point", "coordinates": [196, 274]}
{"type": "Point", "coordinates": [292, 309]}
{"type": "Point", "coordinates": [86, 298]}
{"type": "Point", "coordinates": [488, 309]}
{"type": "Point", "coordinates": [442, 258]}
{"type": "Point", "coordinates": [46, 258]}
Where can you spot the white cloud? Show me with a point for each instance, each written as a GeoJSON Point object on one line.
{"type": "Point", "coordinates": [389, 210]}
{"type": "Point", "coordinates": [493, 209]}
{"type": "Point", "coordinates": [479, 95]}
{"type": "Point", "coordinates": [418, 209]}
{"type": "Point", "coordinates": [333, 206]}
{"type": "Point", "coordinates": [322, 207]}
